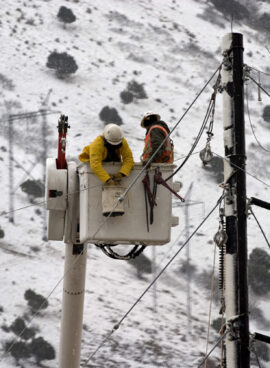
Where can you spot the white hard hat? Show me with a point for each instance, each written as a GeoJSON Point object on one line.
{"type": "Point", "coordinates": [146, 115]}
{"type": "Point", "coordinates": [113, 134]}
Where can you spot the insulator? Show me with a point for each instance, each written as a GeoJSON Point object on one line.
{"type": "Point", "coordinates": [222, 251]}
{"type": "Point", "coordinates": [206, 155]}
{"type": "Point", "coordinates": [220, 237]}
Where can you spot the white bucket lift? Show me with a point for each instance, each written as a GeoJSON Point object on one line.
{"type": "Point", "coordinates": [131, 227]}
{"type": "Point", "coordinates": [77, 203]}
{"type": "Point", "coordinates": [83, 210]}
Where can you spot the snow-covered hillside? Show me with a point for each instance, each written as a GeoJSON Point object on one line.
{"type": "Point", "coordinates": [171, 48]}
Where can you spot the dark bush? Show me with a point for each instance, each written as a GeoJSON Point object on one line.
{"type": "Point", "coordinates": [33, 188]}
{"type": "Point", "coordinates": [41, 350]}
{"type": "Point", "coordinates": [231, 7]}
{"type": "Point", "coordinates": [266, 113]}
{"type": "Point", "coordinates": [216, 324]}
{"type": "Point", "coordinates": [110, 115]}
{"type": "Point", "coordinates": [126, 97]}
{"type": "Point", "coordinates": [259, 271]}
{"type": "Point", "coordinates": [142, 264]}
{"type": "Point", "coordinates": [262, 351]}
{"type": "Point", "coordinates": [188, 268]}
{"type": "Point", "coordinates": [19, 350]}
{"type": "Point", "coordinates": [257, 315]}
{"type": "Point", "coordinates": [263, 22]}
{"type": "Point", "coordinates": [136, 89]}
{"type": "Point", "coordinates": [63, 64]}
{"type": "Point", "coordinates": [6, 83]}
{"type": "Point", "coordinates": [35, 301]}
{"type": "Point", "coordinates": [66, 15]}
{"type": "Point", "coordinates": [19, 328]}
{"type": "Point", "coordinates": [2, 233]}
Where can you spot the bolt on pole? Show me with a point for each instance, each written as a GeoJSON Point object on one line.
{"type": "Point", "coordinates": [236, 288]}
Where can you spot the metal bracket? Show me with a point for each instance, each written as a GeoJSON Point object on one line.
{"type": "Point", "coordinates": [246, 72]}
{"type": "Point", "coordinates": [227, 61]}
{"type": "Point", "coordinates": [232, 325]}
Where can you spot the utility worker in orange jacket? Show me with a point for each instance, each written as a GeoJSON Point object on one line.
{"type": "Point", "coordinates": [156, 131]}
{"type": "Point", "coordinates": [110, 146]}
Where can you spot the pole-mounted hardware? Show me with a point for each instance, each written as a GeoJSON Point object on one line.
{"type": "Point", "coordinates": [259, 203]}
{"type": "Point", "coordinates": [221, 237]}
{"type": "Point", "coordinates": [62, 132]}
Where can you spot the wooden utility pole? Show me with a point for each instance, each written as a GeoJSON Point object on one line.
{"type": "Point", "coordinates": [236, 288]}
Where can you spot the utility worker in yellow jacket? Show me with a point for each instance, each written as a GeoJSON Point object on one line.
{"type": "Point", "coordinates": [109, 146]}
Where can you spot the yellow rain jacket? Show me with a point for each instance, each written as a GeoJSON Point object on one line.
{"type": "Point", "coordinates": [96, 152]}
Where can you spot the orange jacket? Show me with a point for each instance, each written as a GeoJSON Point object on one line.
{"type": "Point", "coordinates": [165, 154]}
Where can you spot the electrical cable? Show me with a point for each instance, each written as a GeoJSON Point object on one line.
{"type": "Point", "coordinates": [252, 128]}
{"type": "Point", "coordinates": [41, 305]}
{"type": "Point", "coordinates": [117, 325]}
{"type": "Point", "coordinates": [259, 85]}
{"type": "Point", "coordinates": [52, 291]}
{"type": "Point", "coordinates": [211, 302]}
{"type": "Point", "coordinates": [169, 134]}
{"type": "Point", "coordinates": [205, 120]}
{"type": "Point", "coordinates": [251, 210]}
{"type": "Point", "coordinates": [256, 356]}
{"type": "Point", "coordinates": [4, 213]}
{"type": "Point", "coordinates": [213, 348]}
{"type": "Point", "coordinates": [157, 150]}
{"type": "Point", "coordinates": [260, 71]}
{"type": "Point", "coordinates": [240, 168]}
{"type": "Point", "coordinates": [210, 110]}
{"type": "Point", "coordinates": [120, 199]}
{"type": "Point", "coordinates": [30, 115]}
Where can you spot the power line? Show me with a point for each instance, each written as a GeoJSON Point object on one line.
{"type": "Point", "coordinates": [240, 168]}
{"type": "Point", "coordinates": [259, 85]}
{"type": "Point", "coordinates": [170, 133]}
{"type": "Point", "coordinates": [253, 349]}
{"type": "Point", "coordinates": [205, 120]}
{"type": "Point", "coordinates": [152, 283]}
{"type": "Point", "coordinates": [29, 115]}
{"type": "Point", "coordinates": [4, 213]}
{"type": "Point", "coordinates": [252, 128]}
{"type": "Point", "coordinates": [56, 285]}
{"type": "Point", "coordinates": [213, 348]}
{"type": "Point", "coordinates": [211, 300]}
{"type": "Point", "coordinates": [258, 70]}
{"type": "Point", "coordinates": [150, 160]}
{"type": "Point", "coordinates": [210, 110]}
{"type": "Point", "coordinates": [251, 210]}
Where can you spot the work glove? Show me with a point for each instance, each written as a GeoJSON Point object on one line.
{"type": "Point", "coordinates": [144, 162]}
{"type": "Point", "coordinates": [110, 182]}
{"type": "Point", "coordinates": [117, 176]}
